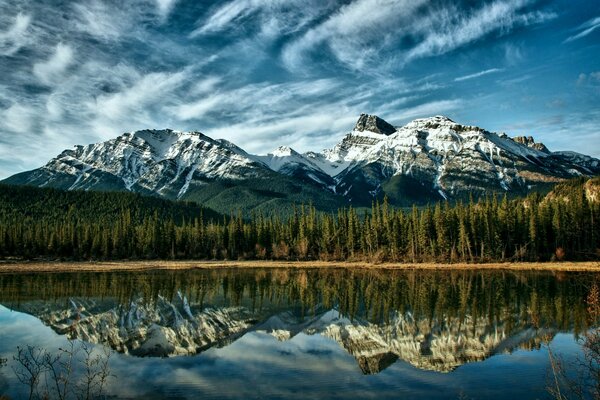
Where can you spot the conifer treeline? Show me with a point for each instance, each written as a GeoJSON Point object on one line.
{"type": "Point", "coordinates": [536, 228]}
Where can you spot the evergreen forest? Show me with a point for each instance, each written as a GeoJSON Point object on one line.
{"type": "Point", "coordinates": [73, 225]}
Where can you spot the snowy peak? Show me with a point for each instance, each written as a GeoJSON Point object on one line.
{"type": "Point", "coordinates": [164, 162]}
{"type": "Point", "coordinates": [373, 123]}
{"type": "Point", "coordinates": [284, 151]}
{"type": "Point", "coordinates": [304, 167]}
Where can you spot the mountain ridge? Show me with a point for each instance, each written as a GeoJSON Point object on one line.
{"type": "Point", "coordinates": [428, 159]}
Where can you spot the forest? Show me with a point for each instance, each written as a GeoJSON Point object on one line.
{"type": "Point", "coordinates": [53, 224]}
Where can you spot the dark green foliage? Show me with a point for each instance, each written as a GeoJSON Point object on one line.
{"type": "Point", "coordinates": [88, 225]}
{"type": "Point", "coordinates": [278, 194]}
{"type": "Point", "coordinates": [40, 203]}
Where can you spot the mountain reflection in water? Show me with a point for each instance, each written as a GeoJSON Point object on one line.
{"type": "Point", "coordinates": [434, 320]}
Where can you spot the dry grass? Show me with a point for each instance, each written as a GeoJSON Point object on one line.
{"type": "Point", "coordinates": [12, 267]}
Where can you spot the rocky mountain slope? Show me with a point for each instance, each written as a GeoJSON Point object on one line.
{"type": "Point", "coordinates": [426, 160]}
{"type": "Point", "coordinates": [176, 327]}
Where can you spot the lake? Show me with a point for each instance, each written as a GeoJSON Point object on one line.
{"type": "Point", "coordinates": [304, 333]}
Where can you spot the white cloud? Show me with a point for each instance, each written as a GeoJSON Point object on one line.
{"type": "Point", "coordinates": [198, 108]}
{"type": "Point", "coordinates": [309, 131]}
{"type": "Point", "coordinates": [255, 99]}
{"type": "Point", "coordinates": [274, 17]}
{"type": "Point", "coordinates": [19, 118]}
{"type": "Point", "coordinates": [48, 72]}
{"type": "Point", "coordinates": [16, 36]}
{"type": "Point", "coordinates": [450, 30]}
{"type": "Point", "coordinates": [359, 31]}
{"type": "Point", "coordinates": [354, 32]}
{"type": "Point", "coordinates": [150, 89]}
{"type": "Point", "coordinates": [557, 131]}
{"type": "Point", "coordinates": [224, 15]}
{"type": "Point", "coordinates": [585, 29]}
{"type": "Point", "coordinates": [109, 22]}
{"type": "Point", "coordinates": [478, 74]}
{"type": "Point", "coordinates": [206, 85]}
{"type": "Point", "coordinates": [427, 109]}
{"type": "Point", "coordinates": [164, 7]}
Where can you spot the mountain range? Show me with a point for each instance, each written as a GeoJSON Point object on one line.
{"type": "Point", "coordinates": [424, 161]}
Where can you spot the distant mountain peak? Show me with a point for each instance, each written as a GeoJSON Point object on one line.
{"type": "Point", "coordinates": [372, 123]}
{"type": "Point", "coordinates": [284, 151]}
{"type": "Point", "coordinates": [436, 118]}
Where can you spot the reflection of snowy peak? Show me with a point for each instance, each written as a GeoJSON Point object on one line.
{"type": "Point", "coordinates": [158, 329]}
{"type": "Point", "coordinates": [441, 345]}
{"type": "Point", "coordinates": [426, 160]}
{"type": "Point", "coordinates": [170, 328]}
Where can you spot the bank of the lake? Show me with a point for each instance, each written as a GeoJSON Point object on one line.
{"type": "Point", "coordinates": [55, 266]}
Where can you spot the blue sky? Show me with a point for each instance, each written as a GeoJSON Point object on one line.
{"type": "Point", "coordinates": [295, 72]}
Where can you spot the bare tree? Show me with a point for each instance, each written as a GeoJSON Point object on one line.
{"type": "Point", "coordinates": [96, 373]}
{"type": "Point", "coordinates": [30, 367]}
{"type": "Point", "coordinates": [63, 375]}
{"type": "Point", "coordinates": [585, 382]}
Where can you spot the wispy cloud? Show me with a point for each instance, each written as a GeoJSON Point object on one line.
{"type": "Point", "coordinates": [274, 17]}
{"type": "Point", "coordinates": [52, 69]}
{"type": "Point", "coordinates": [16, 36]}
{"type": "Point", "coordinates": [358, 32]}
{"type": "Point", "coordinates": [593, 78]}
{"type": "Point", "coordinates": [478, 74]}
{"type": "Point", "coordinates": [584, 29]}
{"type": "Point", "coordinates": [427, 109]}
{"type": "Point", "coordinates": [136, 101]}
{"type": "Point", "coordinates": [355, 32]}
{"type": "Point", "coordinates": [451, 28]}
{"type": "Point", "coordinates": [165, 6]}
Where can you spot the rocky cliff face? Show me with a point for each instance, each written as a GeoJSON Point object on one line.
{"type": "Point", "coordinates": [373, 123]}
{"type": "Point", "coordinates": [426, 160]}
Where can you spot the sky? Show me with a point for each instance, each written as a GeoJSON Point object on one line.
{"type": "Point", "coordinates": [265, 73]}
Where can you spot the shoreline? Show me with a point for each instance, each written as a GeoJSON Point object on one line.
{"type": "Point", "coordinates": [7, 267]}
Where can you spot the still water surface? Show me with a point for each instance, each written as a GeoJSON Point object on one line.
{"type": "Point", "coordinates": [314, 333]}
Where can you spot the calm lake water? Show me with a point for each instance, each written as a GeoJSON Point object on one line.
{"type": "Point", "coordinates": [314, 333]}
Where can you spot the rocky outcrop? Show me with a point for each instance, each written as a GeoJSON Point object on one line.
{"type": "Point", "coordinates": [373, 123]}
{"type": "Point", "coordinates": [530, 142]}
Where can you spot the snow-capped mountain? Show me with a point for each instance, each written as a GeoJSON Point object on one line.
{"type": "Point", "coordinates": [436, 156]}
{"type": "Point", "coordinates": [164, 162]}
{"type": "Point", "coordinates": [164, 328]}
{"type": "Point", "coordinates": [427, 159]}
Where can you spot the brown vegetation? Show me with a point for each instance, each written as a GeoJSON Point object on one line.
{"type": "Point", "coordinates": [17, 267]}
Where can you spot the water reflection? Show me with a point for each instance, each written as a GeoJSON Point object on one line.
{"type": "Point", "coordinates": [434, 320]}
